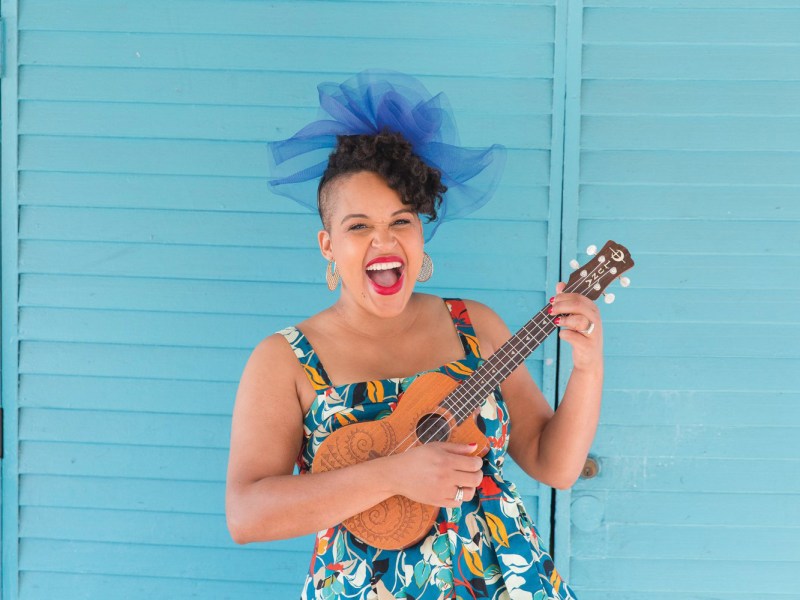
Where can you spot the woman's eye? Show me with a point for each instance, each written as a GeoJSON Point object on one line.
{"type": "Point", "coordinates": [402, 222]}
{"type": "Point", "coordinates": [356, 226]}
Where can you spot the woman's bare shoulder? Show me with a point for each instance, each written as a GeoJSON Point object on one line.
{"type": "Point", "coordinates": [272, 362]}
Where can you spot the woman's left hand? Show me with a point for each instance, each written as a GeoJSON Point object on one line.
{"type": "Point", "coordinates": [581, 327]}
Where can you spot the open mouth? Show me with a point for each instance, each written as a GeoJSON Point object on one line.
{"type": "Point", "coordinates": [386, 274]}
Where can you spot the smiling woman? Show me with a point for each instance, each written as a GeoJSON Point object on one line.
{"type": "Point", "coordinates": [427, 513]}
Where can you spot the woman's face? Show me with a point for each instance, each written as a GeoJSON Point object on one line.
{"type": "Point", "coordinates": [375, 240]}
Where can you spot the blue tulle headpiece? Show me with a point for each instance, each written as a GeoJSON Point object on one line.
{"type": "Point", "coordinates": [369, 103]}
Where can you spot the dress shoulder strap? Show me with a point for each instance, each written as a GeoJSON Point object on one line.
{"type": "Point", "coordinates": [308, 358]}
{"type": "Point", "coordinates": [463, 325]}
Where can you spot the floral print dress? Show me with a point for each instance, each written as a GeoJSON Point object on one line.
{"type": "Point", "coordinates": [486, 548]}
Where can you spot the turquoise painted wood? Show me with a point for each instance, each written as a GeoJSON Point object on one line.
{"type": "Point", "coordinates": [681, 142]}
{"type": "Point", "coordinates": [143, 256]}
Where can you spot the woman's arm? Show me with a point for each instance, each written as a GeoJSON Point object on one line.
{"type": "Point", "coordinates": [551, 447]}
{"type": "Point", "coordinates": [265, 501]}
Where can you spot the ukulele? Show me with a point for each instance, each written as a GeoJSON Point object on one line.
{"type": "Point", "coordinates": [437, 408]}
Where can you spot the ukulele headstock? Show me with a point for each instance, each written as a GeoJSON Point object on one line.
{"type": "Point", "coordinates": [595, 276]}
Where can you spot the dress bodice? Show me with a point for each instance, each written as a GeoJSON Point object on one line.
{"type": "Point", "coordinates": [483, 549]}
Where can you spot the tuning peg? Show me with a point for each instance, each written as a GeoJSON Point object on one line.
{"type": "Point", "coordinates": [608, 298]}
{"type": "Point", "coordinates": [574, 264]}
{"type": "Point", "coordinates": [591, 250]}
{"type": "Point", "coordinates": [624, 281]}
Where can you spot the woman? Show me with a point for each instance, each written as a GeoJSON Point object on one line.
{"type": "Point", "coordinates": [352, 362]}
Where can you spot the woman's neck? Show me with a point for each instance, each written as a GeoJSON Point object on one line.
{"type": "Point", "coordinates": [357, 320]}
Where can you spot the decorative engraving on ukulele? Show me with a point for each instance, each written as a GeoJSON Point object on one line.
{"type": "Point", "coordinates": [617, 255]}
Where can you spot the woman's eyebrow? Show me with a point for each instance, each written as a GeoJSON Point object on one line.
{"type": "Point", "coordinates": [354, 216]}
{"type": "Point", "coordinates": [363, 216]}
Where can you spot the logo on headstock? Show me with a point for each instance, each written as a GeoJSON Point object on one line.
{"type": "Point", "coordinates": [617, 255]}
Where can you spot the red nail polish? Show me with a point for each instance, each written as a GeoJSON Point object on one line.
{"type": "Point", "coordinates": [550, 310]}
{"type": "Point", "coordinates": [551, 299]}
{"type": "Point", "coordinates": [557, 320]}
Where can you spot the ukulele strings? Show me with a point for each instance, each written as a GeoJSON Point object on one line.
{"type": "Point", "coordinates": [470, 388]}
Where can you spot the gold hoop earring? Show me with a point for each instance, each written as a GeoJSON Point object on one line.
{"type": "Point", "coordinates": [332, 275]}
{"type": "Point", "coordinates": [426, 271]}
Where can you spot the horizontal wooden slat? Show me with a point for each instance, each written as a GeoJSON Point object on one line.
{"type": "Point", "coordinates": [122, 494]}
{"type": "Point", "coordinates": [723, 407]}
{"type": "Point", "coordinates": [519, 21]}
{"type": "Point", "coordinates": [725, 238]}
{"type": "Point", "coordinates": [116, 460]}
{"type": "Point", "coordinates": [689, 542]}
{"type": "Point", "coordinates": [261, 88]}
{"type": "Point", "coordinates": [751, 202]}
{"type": "Point", "coordinates": [755, 509]}
{"type": "Point", "coordinates": [765, 339]}
{"type": "Point", "coordinates": [691, 133]}
{"type": "Point", "coordinates": [44, 585]}
{"type": "Point", "coordinates": [136, 120]}
{"type": "Point", "coordinates": [711, 167]}
{"type": "Point", "coordinates": [688, 594]}
{"type": "Point", "coordinates": [122, 360]}
{"type": "Point", "coordinates": [132, 527]}
{"type": "Point", "coordinates": [646, 576]}
{"type": "Point", "coordinates": [705, 441]}
{"type": "Point", "coordinates": [690, 97]}
{"type": "Point", "coordinates": [682, 4]}
{"type": "Point", "coordinates": [683, 374]}
{"type": "Point", "coordinates": [690, 61]}
{"type": "Point", "coordinates": [694, 475]}
{"type": "Point", "coordinates": [127, 393]}
{"type": "Point", "coordinates": [655, 25]}
{"type": "Point", "coordinates": [127, 327]}
{"type": "Point", "coordinates": [118, 427]}
{"type": "Point", "coordinates": [732, 307]}
{"type": "Point", "coordinates": [331, 54]}
{"type": "Point", "coordinates": [217, 564]}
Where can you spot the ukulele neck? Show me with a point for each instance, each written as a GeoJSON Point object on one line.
{"type": "Point", "coordinates": [468, 396]}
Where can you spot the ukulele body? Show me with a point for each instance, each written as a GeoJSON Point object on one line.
{"type": "Point", "coordinates": [398, 522]}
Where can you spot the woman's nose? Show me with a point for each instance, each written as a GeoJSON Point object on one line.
{"type": "Point", "coordinates": [383, 237]}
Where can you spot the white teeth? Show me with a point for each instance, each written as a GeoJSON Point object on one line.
{"type": "Point", "coordinates": [384, 266]}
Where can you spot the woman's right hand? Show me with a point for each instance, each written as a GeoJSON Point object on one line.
{"type": "Point", "coordinates": [432, 473]}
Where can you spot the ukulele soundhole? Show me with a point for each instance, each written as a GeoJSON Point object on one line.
{"type": "Point", "coordinates": [433, 428]}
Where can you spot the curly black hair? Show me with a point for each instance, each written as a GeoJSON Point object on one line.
{"type": "Point", "coordinates": [391, 156]}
